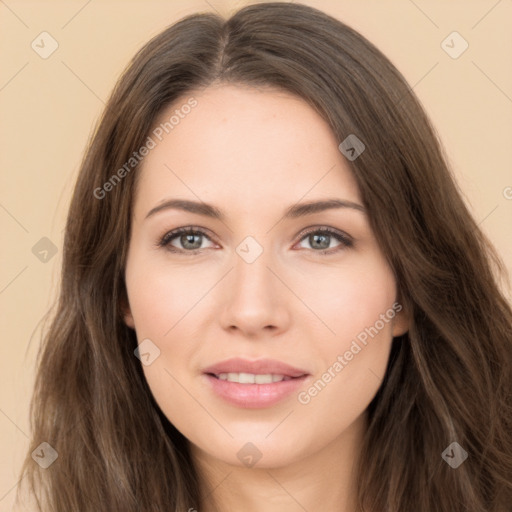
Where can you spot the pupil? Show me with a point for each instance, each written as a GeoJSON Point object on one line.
{"type": "Point", "coordinates": [321, 246]}
{"type": "Point", "coordinates": [189, 238]}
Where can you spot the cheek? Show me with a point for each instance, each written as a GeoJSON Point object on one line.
{"type": "Point", "coordinates": [160, 299]}
{"type": "Point", "coordinates": [164, 301]}
{"type": "Point", "coordinates": [160, 295]}
{"type": "Point", "coordinates": [357, 306]}
{"type": "Point", "coordinates": [350, 299]}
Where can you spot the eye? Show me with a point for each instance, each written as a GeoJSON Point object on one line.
{"type": "Point", "coordinates": [320, 240]}
{"type": "Point", "coordinates": [189, 238]}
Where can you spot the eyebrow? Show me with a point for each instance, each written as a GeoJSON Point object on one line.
{"type": "Point", "coordinates": [292, 212]}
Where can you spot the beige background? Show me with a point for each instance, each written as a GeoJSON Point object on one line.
{"type": "Point", "coordinates": [49, 106]}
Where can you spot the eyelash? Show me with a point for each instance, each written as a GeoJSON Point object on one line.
{"type": "Point", "coordinates": [164, 242]}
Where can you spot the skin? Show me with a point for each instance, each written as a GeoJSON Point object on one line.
{"type": "Point", "coordinates": [252, 153]}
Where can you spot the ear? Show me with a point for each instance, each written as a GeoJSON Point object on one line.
{"type": "Point", "coordinates": [127, 312]}
{"type": "Point", "coordinates": [401, 321]}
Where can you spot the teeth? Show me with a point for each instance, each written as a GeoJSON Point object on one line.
{"type": "Point", "coordinates": [251, 378]}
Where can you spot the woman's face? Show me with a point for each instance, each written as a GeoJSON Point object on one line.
{"type": "Point", "coordinates": [259, 279]}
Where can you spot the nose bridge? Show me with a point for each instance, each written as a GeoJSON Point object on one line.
{"type": "Point", "coordinates": [251, 273]}
{"type": "Point", "coordinates": [254, 300]}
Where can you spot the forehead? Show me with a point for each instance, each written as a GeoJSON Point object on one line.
{"type": "Point", "coordinates": [243, 146]}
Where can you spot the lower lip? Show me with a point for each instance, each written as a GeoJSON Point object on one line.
{"type": "Point", "coordinates": [254, 396]}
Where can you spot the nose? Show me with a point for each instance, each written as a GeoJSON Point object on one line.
{"type": "Point", "coordinates": [257, 301]}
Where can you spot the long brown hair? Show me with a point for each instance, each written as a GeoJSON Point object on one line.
{"type": "Point", "coordinates": [448, 379]}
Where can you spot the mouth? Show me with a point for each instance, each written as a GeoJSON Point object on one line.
{"type": "Point", "coordinates": [254, 384]}
{"type": "Point", "coordinates": [259, 371]}
{"type": "Point", "coordinates": [252, 378]}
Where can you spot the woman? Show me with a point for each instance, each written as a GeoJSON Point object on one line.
{"type": "Point", "coordinates": [273, 296]}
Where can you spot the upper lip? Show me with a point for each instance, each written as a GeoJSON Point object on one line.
{"type": "Point", "coordinates": [258, 367]}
